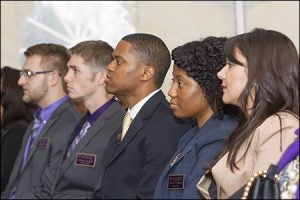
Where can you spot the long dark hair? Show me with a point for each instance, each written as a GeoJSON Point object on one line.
{"type": "Point", "coordinates": [11, 98]}
{"type": "Point", "coordinates": [273, 70]}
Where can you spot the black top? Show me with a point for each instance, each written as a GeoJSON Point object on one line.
{"type": "Point", "coordinates": [11, 141]}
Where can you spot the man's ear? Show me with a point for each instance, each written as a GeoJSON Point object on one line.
{"type": "Point", "coordinates": [54, 77]}
{"type": "Point", "coordinates": [147, 72]}
{"type": "Point", "coordinates": [101, 76]}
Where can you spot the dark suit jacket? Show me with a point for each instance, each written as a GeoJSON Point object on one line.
{"type": "Point", "coordinates": [46, 148]}
{"type": "Point", "coordinates": [11, 140]}
{"type": "Point", "coordinates": [78, 173]}
{"type": "Point", "coordinates": [133, 166]}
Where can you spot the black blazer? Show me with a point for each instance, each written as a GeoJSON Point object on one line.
{"type": "Point", "coordinates": [133, 166]}
{"type": "Point", "coordinates": [11, 140]}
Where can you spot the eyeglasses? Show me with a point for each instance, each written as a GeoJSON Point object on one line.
{"type": "Point", "coordinates": [29, 73]}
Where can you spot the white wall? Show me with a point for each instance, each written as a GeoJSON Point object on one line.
{"type": "Point", "coordinates": [180, 22]}
{"type": "Point", "coordinates": [175, 22]}
{"type": "Point", "coordinates": [13, 15]}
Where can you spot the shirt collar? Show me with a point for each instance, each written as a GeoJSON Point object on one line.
{"type": "Point", "coordinates": [46, 113]}
{"type": "Point", "coordinates": [95, 115]}
{"type": "Point", "coordinates": [137, 107]}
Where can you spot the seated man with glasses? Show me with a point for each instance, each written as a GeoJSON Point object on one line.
{"type": "Point", "coordinates": [42, 82]}
{"type": "Point", "coordinates": [29, 73]}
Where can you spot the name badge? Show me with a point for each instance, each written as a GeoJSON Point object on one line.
{"type": "Point", "coordinates": [86, 160]}
{"type": "Point", "coordinates": [176, 181]}
{"type": "Point", "coordinates": [42, 143]}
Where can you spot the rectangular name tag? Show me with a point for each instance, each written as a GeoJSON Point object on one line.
{"type": "Point", "coordinates": [176, 181]}
{"type": "Point", "coordinates": [86, 160]}
{"type": "Point", "coordinates": [42, 143]}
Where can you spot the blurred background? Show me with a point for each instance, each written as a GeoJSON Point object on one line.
{"type": "Point", "coordinates": [26, 23]}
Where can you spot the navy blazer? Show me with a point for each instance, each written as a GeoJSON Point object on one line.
{"type": "Point", "coordinates": [46, 148]}
{"type": "Point", "coordinates": [196, 150]}
{"type": "Point", "coordinates": [133, 166]}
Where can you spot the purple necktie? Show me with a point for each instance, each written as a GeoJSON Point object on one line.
{"type": "Point", "coordinates": [33, 135]}
{"type": "Point", "coordinates": [79, 136]}
{"type": "Point", "coordinates": [31, 138]}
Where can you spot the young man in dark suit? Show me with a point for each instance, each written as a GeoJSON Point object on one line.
{"type": "Point", "coordinates": [42, 82]}
{"type": "Point", "coordinates": [134, 158]}
{"type": "Point", "coordinates": [81, 165]}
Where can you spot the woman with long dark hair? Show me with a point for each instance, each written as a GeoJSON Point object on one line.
{"type": "Point", "coordinates": [262, 78]}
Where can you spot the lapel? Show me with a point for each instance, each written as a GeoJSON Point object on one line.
{"type": "Point", "coordinates": [6, 129]}
{"type": "Point", "coordinates": [4, 132]}
{"type": "Point", "coordinates": [137, 124]}
{"type": "Point", "coordinates": [184, 149]}
{"type": "Point", "coordinates": [189, 147]}
{"type": "Point", "coordinates": [94, 130]}
{"type": "Point", "coordinates": [201, 137]}
{"type": "Point", "coordinates": [44, 132]}
{"type": "Point", "coordinates": [244, 148]}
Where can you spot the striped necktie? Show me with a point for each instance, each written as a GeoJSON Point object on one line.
{"type": "Point", "coordinates": [126, 123]}
{"type": "Point", "coordinates": [34, 133]}
{"type": "Point", "coordinates": [79, 136]}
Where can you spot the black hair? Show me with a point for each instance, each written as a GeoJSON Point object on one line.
{"type": "Point", "coordinates": [151, 50]}
{"type": "Point", "coordinates": [202, 60]}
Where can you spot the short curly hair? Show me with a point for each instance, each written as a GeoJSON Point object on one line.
{"type": "Point", "coordinates": [201, 60]}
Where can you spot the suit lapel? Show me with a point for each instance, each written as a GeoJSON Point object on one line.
{"type": "Point", "coordinates": [41, 135]}
{"type": "Point", "coordinates": [205, 135]}
{"type": "Point", "coordinates": [93, 131]}
{"type": "Point", "coordinates": [17, 166]}
{"type": "Point", "coordinates": [137, 124]}
{"type": "Point", "coordinates": [8, 127]}
{"type": "Point", "coordinates": [244, 148]}
{"type": "Point", "coordinates": [184, 149]}
{"type": "Point", "coordinates": [44, 132]}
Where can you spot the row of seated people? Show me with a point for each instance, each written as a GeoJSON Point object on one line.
{"type": "Point", "coordinates": [233, 110]}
